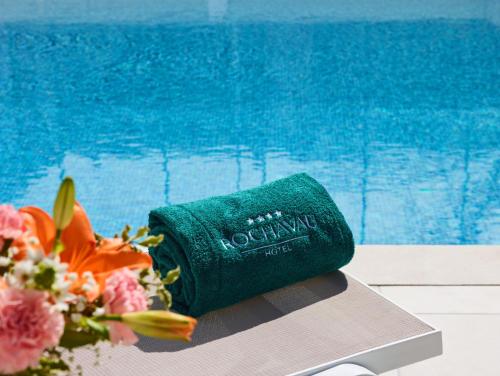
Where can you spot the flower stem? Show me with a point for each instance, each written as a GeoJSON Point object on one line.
{"type": "Point", "coordinates": [58, 247]}
{"type": "Point", "coordinates": [108, 318]}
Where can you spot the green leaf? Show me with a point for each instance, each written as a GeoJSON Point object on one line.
{"type": "Point", "coordinates": [53, 364]}
{"type": "Point", "coordinates": [166, 297]}
{"type": "Point", "coordinates": [141, 231]}
{"type": "Point", "coordinates": [72, 339]}
{"type": "Point", "coordinates": [125, 232]}
{"type": "Point", "coordinates": [63, 206]}
{"type": "Point", "coordinates": [99, 328]}
{"type": "Point", "coordinates": [172, 276]}
{"type": "Point", "coordinates": [152, 241]}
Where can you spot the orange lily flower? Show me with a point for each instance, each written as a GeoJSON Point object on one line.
{"type": "Point", "coordinates": [81, 251]}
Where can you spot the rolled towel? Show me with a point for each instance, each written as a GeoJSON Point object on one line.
{"type": "Point", "coordinates": [232, 247]}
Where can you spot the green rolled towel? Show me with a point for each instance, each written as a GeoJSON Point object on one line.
{"type": "Point", "coordinates": [233, 247]}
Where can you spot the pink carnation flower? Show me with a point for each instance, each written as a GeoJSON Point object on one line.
{"type": "Point", "coordinates": [11, 222]}
{"type": "Point", "coordinates": [122, 294]}
{"type": "Point", "coordinates": [28, 326]}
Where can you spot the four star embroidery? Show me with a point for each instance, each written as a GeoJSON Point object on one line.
{"type": "Point", "coordinates": [268, 216]}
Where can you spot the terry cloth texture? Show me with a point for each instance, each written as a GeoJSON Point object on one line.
{"type": "Point", "coordinates": [233, 247]}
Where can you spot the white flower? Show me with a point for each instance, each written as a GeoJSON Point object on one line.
{"type": "Point", "coordinates": [61, 306]}
{"type": "Point", "coordinates": [72, 276]}
{"type": "Point", "coordinates": [89, 286]}
{"type": "Point", "coordinates": [62, 267]}
{"type": "Point", "coordinates": [68, 297]}
{"type": "Point", "coordinates": [13, 281]}
{"type": "Point", "coordinates": [99, 311]}
{"type": "Point", "coordinates": [90, 283]}
{"type": "Point", "coordinates": [87, 275]}
{"type": "Point", "coordinates": [33, 240]}
{"type": "Point", "coordinates": [4, 261]}
{"type": "Point", "coordinates": [76, 317]}
{"type": "Point", "coordinates": [13, 251]}
{"type": "Point", "coordinates": [62, 285]}
{"type": "Point", "coordinates": [80, 306]}
{"type": "Point", "coordinates": [35, 255]}
{"type": "Point", "coordinates": [56, 264]}
{"type": "Point", "coordinates": [23, 269]}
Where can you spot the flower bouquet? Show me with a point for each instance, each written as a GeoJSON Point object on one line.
{"type": "Point", "coordinates": [62, 287]}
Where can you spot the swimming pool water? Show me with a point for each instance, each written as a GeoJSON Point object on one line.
{"type": "Point", "coordinates": [398, 118]}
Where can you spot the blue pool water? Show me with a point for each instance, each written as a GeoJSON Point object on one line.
{"type": "Point", "coordinates": [398, 115]}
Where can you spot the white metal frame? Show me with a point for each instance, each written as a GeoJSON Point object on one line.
{"type": "Point", "coordinates": [383, 358]}
{"type": "Point", "coordinates": [346, 369]}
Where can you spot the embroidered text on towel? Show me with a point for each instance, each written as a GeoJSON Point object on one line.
{"type": "Point", "coordinates": [277, 232]}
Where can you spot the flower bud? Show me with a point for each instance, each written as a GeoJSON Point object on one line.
{"type": "Point", "coordinates": [160, 324]}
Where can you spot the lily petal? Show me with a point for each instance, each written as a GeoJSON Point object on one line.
{"type": "Point", "coordinates": [78, 239]}
{"type": "Point", "coordinates": [102, 264]}
{"type": "Point", "coordinates": [113, 245]}
{"type": "Point", "coordinates": [40, 224]}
